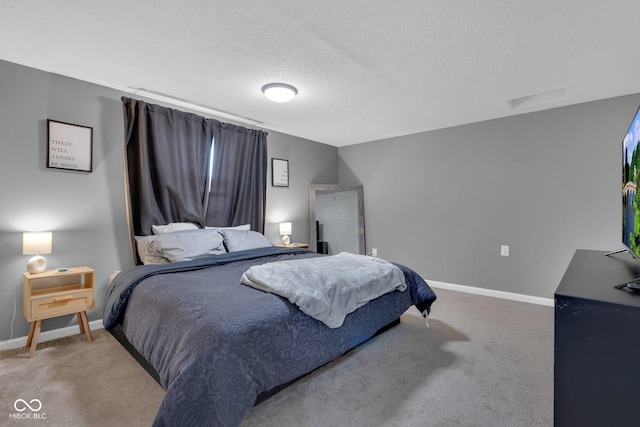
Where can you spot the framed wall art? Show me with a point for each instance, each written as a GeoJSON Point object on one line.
{"type": "Point", "coordinates": [69, 146]}
{"type": "Point", "coordinates": [279, 172]}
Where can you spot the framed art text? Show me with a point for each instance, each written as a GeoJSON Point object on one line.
{"type": "Point", "coordinates": [69, 146]}
{"type": "Point", "coordinates": [279, 172]}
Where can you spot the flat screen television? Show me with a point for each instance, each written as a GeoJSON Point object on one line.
{"type": "Point", "coordinates": [630, 196]}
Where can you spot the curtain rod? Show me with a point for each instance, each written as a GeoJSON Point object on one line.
{"type": "Point", "coordinates": [166, 98]}
{"type": "Point", "coordinates": [197, 107]}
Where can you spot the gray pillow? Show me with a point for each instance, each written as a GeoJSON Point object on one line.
{"type": "Point", "coordinates": [172, 227]}
{"type": "Point", "coordinates": [235, 227]}
{"type": "Point", "coordinates": [242, 240]}
{"type": "Point", "coordinates": [188, 245]}
{"type": "Point", "coordinates": [147, 254]}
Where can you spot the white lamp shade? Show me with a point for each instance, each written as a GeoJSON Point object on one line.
{"type": "Point", "coordinates": [285, 228]}
{"type": "Point", "coordinates": [36, 243]}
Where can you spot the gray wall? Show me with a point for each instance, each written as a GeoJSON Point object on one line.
{"type": "Point", "coordinates": [441, 202]}
{"type": "Point", "coordinates": [544, 183]}
{"type": "Point", "coordinates": [309, 163]}
{"type": "Point", "coordinates": [86, 211]}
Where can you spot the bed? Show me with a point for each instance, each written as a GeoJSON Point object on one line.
{"type": "Point", "coordinates": [218, 347]}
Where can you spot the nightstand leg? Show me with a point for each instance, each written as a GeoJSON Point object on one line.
{"type": "Point", "coordinates": [85, 323]}
{"type": "Point", "coordinates": [34, 339]}
{"type": "Point", "coordinates": [80, 324]}
{"type": "Point", "coordinates": [32, 328]}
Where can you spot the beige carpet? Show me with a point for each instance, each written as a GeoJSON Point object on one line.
{"type": "Point", "coordinates": [483, 362]}
{"type": "Point", "coordinates": [78, 384]}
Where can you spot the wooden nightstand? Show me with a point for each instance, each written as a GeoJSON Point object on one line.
{"type": "Point", "coordinates": [56, 293]}
{"type": "Point", "coordinates": [295, 245]}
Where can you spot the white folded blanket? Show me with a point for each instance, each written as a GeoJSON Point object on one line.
{"type": "Point", "coordinates": [330, 287]}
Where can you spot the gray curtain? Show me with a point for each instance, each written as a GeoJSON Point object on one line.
{"type": "Point", "coordinates": [239, 183]}
{"type": "Point", "coordinates": [167, 155]}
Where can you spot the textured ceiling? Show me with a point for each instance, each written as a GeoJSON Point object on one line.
{"type": "Point", "coordinates": [365, 69]}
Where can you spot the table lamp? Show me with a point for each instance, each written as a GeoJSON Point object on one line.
{"type": "Point", "coordinates": [285, 232]}
{"type": "Point", "coordinates": [36, 243]}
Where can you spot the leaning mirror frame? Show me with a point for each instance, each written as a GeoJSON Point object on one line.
{"type": "Point", "coordinates": [319, 189]}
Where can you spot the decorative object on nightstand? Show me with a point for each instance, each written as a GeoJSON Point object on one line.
{"type": "Point", "coordinates": [54, 293]}
{"type": "Point", "coordinates": [38, 244]}
{"type": "Point", "coordinates": [285, 232]}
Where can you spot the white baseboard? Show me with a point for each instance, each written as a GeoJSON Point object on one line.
{"type": "Point", "coordinates": [492, 293]}
{"type": "Point", "coordinates": [49, 335]}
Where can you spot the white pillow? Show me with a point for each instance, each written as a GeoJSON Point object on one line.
{"type": "Point", "coordinates": [237, 227]}
{"type": "Point", "coordinates": [173, 227]}
{"type": "Point", "coordinates": [188, 245]}
{"type": "Point", "coordinates": [242, 240]}
{"type": "Point", "coordinates": [147, 254]}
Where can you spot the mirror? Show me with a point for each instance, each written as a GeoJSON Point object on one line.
{"type": "Point", "coordinates": [336, 218]}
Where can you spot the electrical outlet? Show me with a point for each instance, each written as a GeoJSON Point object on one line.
{"type": "Point", "coordinates": [374, 252]}
{"type": "Point", "coordinates": [504, 250]}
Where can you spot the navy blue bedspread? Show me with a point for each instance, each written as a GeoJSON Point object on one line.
{"type": "Point", "coordinates": [216, 344]}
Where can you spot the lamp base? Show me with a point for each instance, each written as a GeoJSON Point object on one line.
{"type": "Point", "coordinates": [37, 264]}
{"type": "Point", "coordinates": [286, 240]}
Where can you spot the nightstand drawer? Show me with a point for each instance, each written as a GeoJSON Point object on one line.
{"type": "Point", "coordinates": [62, 303]}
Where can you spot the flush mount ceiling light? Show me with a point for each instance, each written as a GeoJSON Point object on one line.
{"type": "Point", "coordinates": [279, 92]}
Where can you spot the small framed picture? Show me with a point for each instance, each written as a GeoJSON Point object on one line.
{"type": "Point", "coordinates": [279, 172]}
{"type": "Point", "coordinates": [69, 146]}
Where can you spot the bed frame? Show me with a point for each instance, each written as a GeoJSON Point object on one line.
{"type": "Point", "coordinates": [122, 339]}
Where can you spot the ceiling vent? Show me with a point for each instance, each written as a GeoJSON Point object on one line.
{"type": "Point", "coordinates": [539, 98]}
